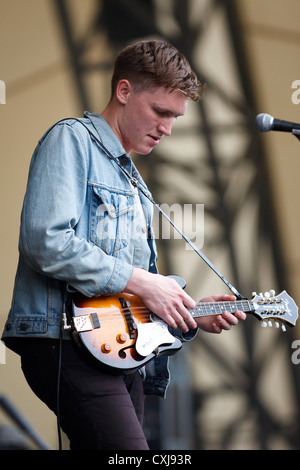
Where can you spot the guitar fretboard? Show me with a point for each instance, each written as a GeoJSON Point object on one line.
{"type": "Point", "coordinates": [203, 309]}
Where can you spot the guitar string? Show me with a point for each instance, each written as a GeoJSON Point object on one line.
{"type": "Point", "coordinates": [204, 305]}
{"type": "Point", "coordinates": [208, 308]}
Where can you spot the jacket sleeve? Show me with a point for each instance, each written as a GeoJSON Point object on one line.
{"type": "Point", "coordinates": [54, 201]}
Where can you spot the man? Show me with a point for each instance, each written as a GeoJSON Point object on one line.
{"type": "Point", "coordinates": [78, 235]}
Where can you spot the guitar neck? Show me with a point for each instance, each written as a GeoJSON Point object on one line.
{"type": "Point", "coordinates": [204, 309]}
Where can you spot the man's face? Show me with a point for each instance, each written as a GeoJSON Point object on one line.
{"type": "Point", "coordinates": [147, 116]}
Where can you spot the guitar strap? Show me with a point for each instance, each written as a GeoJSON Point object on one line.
{"type": "Point", "coordinates": [143, 190]}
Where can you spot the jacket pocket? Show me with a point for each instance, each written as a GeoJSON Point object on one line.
{"type": "Point", "coordinates": [111, 217]}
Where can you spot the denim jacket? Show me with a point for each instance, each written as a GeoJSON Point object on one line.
{"type": "Point", "coordinates": [79, 230]}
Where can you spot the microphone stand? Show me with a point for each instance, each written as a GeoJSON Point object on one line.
{"type": "Point", "coordinates": [22, 423]}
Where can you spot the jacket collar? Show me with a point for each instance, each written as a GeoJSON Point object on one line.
{"type": "Point", "coordinates": [112, 143]}
{"type": "Point", "coordinates": [106, 134]}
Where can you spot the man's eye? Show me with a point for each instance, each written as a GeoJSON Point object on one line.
{"type": "Point", "coordinates": [163, 113]}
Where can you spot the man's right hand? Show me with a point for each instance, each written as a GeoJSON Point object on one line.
{"type": "Point", "coordinates": [163, 296]}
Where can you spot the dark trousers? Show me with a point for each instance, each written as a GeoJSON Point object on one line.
{"type": "Point", "coordinates": [98, 411]}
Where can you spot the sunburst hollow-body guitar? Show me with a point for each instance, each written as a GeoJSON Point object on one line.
{"type": "Point", "coordinates": [121, 333]}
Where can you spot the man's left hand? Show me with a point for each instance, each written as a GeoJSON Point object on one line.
{"type": "Point", "coordinates": [218, 323]}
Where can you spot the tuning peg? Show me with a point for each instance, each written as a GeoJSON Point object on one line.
{"type": "Point", "coordinates": [276, 324]}
{"type": "Point", "coordinates": [267, 295]}
{"type": "Point", "coordinates": [270, 323]}
{"type": "Point", "coordinates": [254, 294]}
{"type": "Point", "coordinates": [283, 328]}
{"type": "Point", "coordinates": [272, 293]}
{"type": "Point", "coordinates": [264, 324]}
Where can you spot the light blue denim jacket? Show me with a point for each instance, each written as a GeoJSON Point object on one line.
{"type": "Point", "coordinates": [79, 230]}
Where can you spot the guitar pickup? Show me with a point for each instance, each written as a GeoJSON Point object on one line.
{"type": "Point", "coordinates": [86, 322]}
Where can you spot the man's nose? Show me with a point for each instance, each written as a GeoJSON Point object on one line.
{"type": "Point", "coordinates": [165, 127]}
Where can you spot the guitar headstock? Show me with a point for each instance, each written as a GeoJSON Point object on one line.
{"type": "Point", "coordinates": [280, 308]}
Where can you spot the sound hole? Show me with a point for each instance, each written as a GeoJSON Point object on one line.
{"type": "Point", "coordinates": [122, 354]}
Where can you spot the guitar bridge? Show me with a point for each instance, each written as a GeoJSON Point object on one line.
{"type": "Point", "coordinates": [129, 317]}
{"type": "Point", "coordinates": [86, 322]}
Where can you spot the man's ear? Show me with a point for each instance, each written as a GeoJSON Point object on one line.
{"type": "Point", "coordinates": [123, 91]}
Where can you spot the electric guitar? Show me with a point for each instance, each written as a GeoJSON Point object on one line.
{"type": "Point", "coordinates": [121, 333]}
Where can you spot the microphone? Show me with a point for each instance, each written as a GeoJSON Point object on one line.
{"type": "Point", "coordinates": [266, 123]}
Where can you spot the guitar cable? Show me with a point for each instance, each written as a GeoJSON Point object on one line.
{"type": "Point", "coordinates": [60, 345]}
{"type": "Point", "coordinates": [58, 388]}
{"type": "Point", "coordinates": [63, 326]}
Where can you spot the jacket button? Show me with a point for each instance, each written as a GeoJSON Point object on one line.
{"type": "Point", "coordinates": [8, 327]}
{"type": "Point", "coordinates": [123, 161]}
{"type": "Point", "coordinates": [23, 326]}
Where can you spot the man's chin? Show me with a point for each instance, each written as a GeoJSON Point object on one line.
{"type": "Point", "coordinates": [144, 152]}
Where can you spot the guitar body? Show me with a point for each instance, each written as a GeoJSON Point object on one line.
{"type": "Point", "coordinates": [120, 332]}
